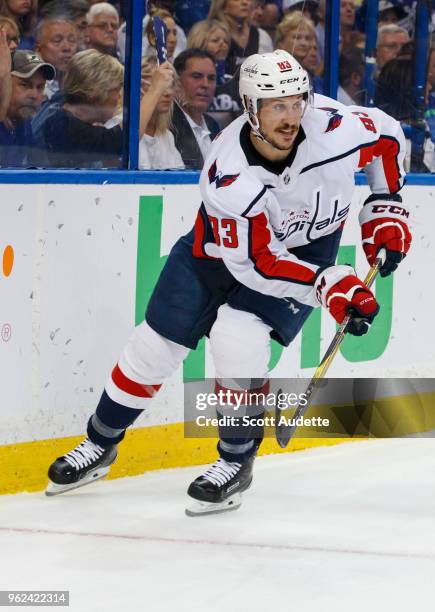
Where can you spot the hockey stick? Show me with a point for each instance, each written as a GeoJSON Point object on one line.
{"type": "Point", "coordinates": [284, 432]}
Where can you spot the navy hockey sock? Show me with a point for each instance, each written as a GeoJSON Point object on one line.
{"type": "Point", "coordinates": [241, 429]}
{"type": "Point", "coordinates": [240, 448]}
{"type": "Point", "coordinates": [108, 424]}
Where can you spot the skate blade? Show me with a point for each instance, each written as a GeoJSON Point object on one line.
{"type": "Point", "coordinates": [199, 508]}
{"type": "Point", "coordinates": [57, 489]}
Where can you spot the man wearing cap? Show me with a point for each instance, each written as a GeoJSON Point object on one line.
{"type": "Point", "coordinates": [28, 76]}
{"type": "Point", "coordinates": [391, 12]}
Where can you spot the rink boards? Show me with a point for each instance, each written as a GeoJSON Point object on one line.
{"type": "Point", "coordinates": [78, 266]}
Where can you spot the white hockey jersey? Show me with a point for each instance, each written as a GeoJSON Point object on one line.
{"type": "Point", "coordinates": [254, 212]}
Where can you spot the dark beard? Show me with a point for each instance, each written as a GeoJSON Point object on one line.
{"type": "Point", "coordinates": [272, 142]}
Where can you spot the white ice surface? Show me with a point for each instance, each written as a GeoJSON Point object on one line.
{"type": "Point", "coordinates": [334, 529]}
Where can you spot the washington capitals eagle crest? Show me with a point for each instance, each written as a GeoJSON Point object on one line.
{"type": "Point", "coordinates": [335, 118]}
{"type": "Point", "coordinates": [221, 180]}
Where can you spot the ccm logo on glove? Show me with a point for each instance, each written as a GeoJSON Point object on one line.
{"type": "Point", "coordinates": [341, 292]}
{"type": "Point", "coordinates": [384, 226]}
{"type": "Point", "coordinates": [394, 210]}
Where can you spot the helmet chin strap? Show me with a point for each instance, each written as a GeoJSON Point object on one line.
{"type": "Point", "coordinates": [255, 125]}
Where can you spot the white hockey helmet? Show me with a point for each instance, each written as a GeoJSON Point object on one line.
{"type": "Point", "coordinates": [270, 75]}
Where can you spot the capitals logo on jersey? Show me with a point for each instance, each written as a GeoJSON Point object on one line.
{"type": "Point", "coordinates": [220, 180]}
{"type": "Point", "coordinates": [335, 118]}
{"type": "Point", "coordinates": [309, 223]}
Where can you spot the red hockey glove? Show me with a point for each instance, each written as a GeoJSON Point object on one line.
{"type": "Point", "coordinates": [384, 224]}
{"type": "Point", "coordinates": [341, 292]}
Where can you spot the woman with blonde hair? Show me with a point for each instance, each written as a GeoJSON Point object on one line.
{"type": "Point", "coordinates": [157, 150]}
{"type": "Point", "coordinates": [214, 36]}
{"type": "Point", "coordinates": [12, 32]}
{"type": "Point", "coordinates": [297, 35]}
{"type": "Point", "coordinates": [76, 134]}
{"type": "Point", "coordinates": [246, 39]}
{"type": "Point", "coordinates": [24, 15]}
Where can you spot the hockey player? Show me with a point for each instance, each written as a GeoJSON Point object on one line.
{"type": "Point", "coordinates": [276, 189]}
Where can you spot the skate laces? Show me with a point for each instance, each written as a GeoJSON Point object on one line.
{"type": "Point", "coordinates": [221, 472]}
{"type": "Point", "coordinates": [84, 454]}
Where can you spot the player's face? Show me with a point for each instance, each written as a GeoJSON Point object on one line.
{"type": "Point", "coordinates": [280, 119]}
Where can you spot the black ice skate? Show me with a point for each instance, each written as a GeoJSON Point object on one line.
{"type": "Point", "coordinates": [86, 463]}
{"type": "Point", "coordinates": [219, 488]}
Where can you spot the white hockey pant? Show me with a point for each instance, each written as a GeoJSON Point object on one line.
{"type": "Point", "coordinates": [240, 345]}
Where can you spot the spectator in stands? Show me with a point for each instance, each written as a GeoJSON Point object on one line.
{"type": "Point", "coordinates": [308, 7]}
{"type": "Point", "coordinates": [157, 150]}
{"type": "Point", "coordinates": [311, 65]}
{"type": "Point", "coordinates": [193, 129]}
{"type": "Point", "coordinates": [23, 13]}
{"type": "Point", "coordinates": [22, 97]}
{"type": "Point", "coordinates": [394, 95]}
{"type": "Point", "coordinates": [269, 18]}
{"type": "Point", "coordinates": [71, 10]}
{"type": "Point", "coordinates": [391, 39]}
{"type": "Point", "coordinates": [351, 77]}
{"type": "Point", "coordinates": [188, 13]}
{"type": "Point", "coordinates": [347, 23]}
{"type": "Point", "coordinates": [214, 36]}
{"type": "Point", "coordinates": [56, 42]}
{"type": "Point", "coordinates": [429, 114]}
{"type": "Point", "coordinates": [103, 24]}
{"type": "Point", "coordinates": [75, 134]}
{"type": "Point", "coordinates": [394, 87]}
{"type": "Point", "coordinates": [171, 34]}
{"type": "Point", "coordinates": [167, 5]}
{"type": "Point", "coordinates": [347, 15]}
{"type": "Point", "coordinates": [11, 31]}
{"type": "Point", "coordinates": [353, 40]}
{"type": "Point", "coordinates": [296, 34]}
{"type": "Point", "coordinates": [257, 12]}
{"type": "Point", "coordinates": [390, 12]}
{"type": "Point", "coordinates": [246, 39]}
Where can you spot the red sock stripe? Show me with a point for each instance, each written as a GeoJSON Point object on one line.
{"type": "Point", "coordinates": [131, 387]}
